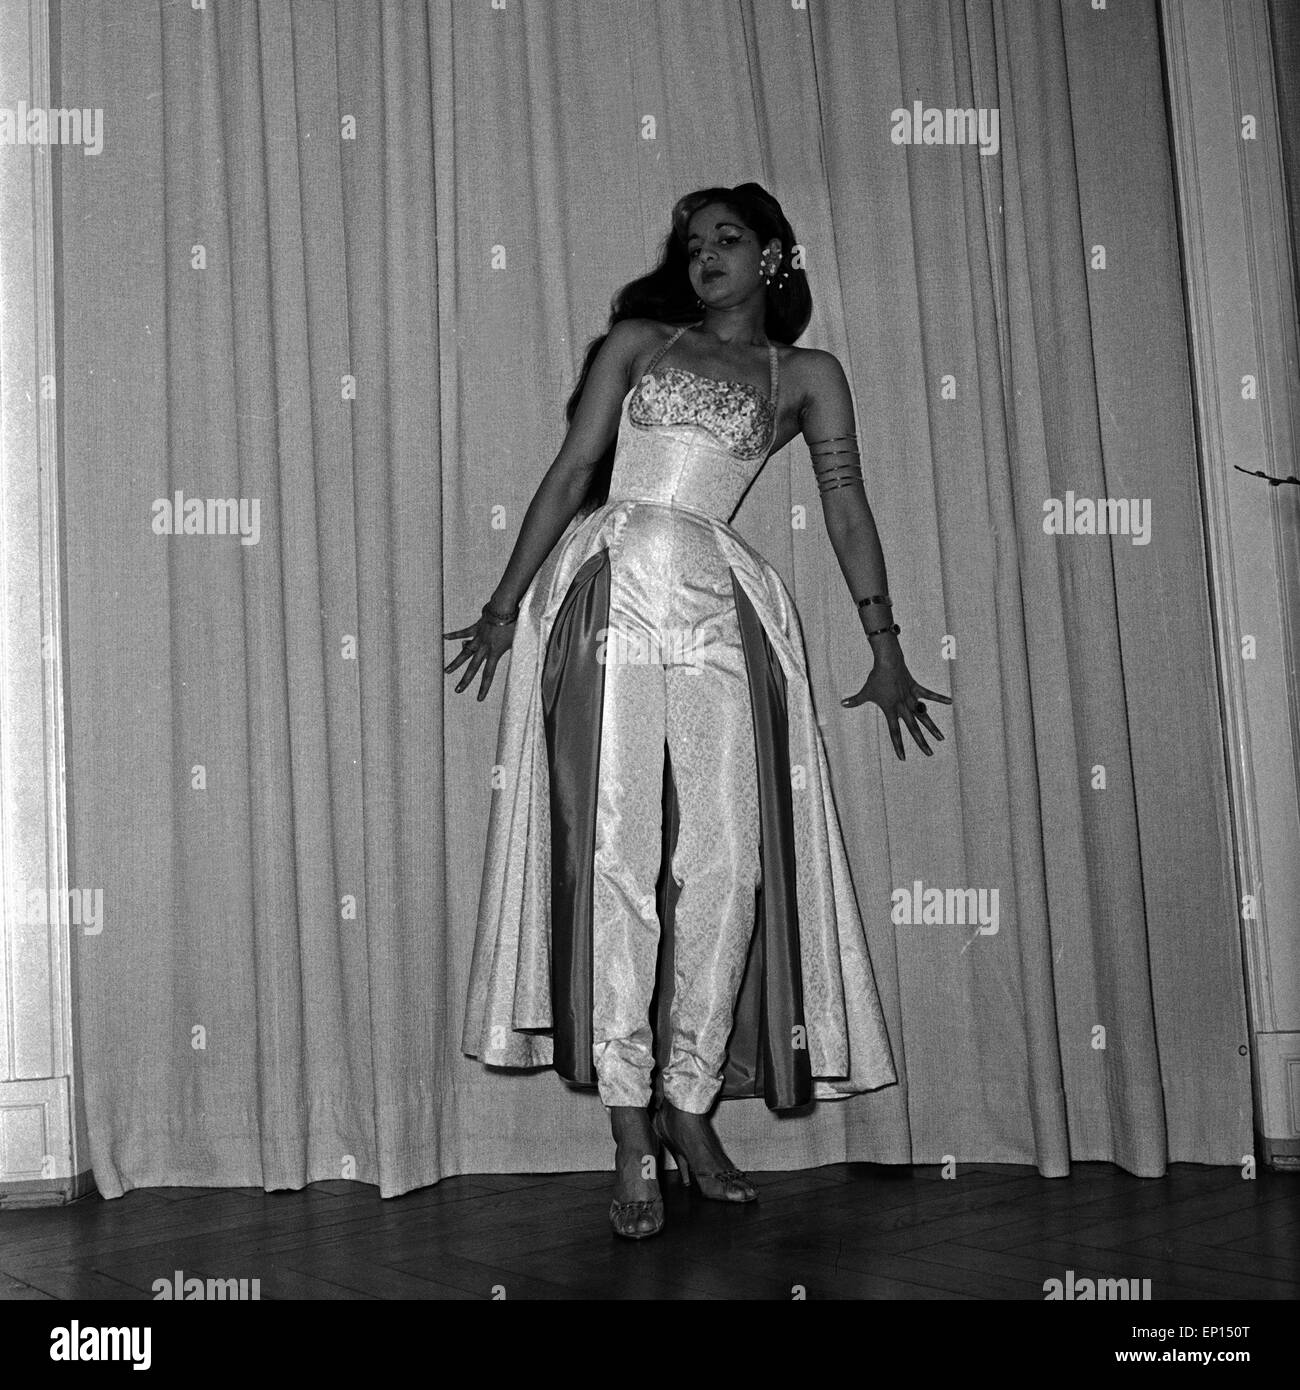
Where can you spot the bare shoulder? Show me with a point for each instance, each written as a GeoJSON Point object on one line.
{"type": "Point", "coordinates": [814, 371]}
{"type": "Point", "coordinates": [819, 394]}
{"type": "Point", "coordinates": [632, 335]}
{"type": "Point", "coordinates": [637, 340]}
{"type": "Point", "coordinates": [818, 387]}
{"type": "Point", "coordinates": [636, 330]}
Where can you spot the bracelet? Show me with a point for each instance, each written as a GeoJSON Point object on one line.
{"type": "Point", "coordinates": [498, 619]}
{"type": "Point", "coordinates": [875, 598]}
{"type": "Point", "coordinates": [848, 441]}
{"type": "Point", "coordinates": [837, 475]}
{"type": "Point", "coordinates": [875, 632]}
{"type": "Point", "coordinates": [832, 475]}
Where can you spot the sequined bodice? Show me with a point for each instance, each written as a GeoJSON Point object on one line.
{"type": "Point", "coordinates": [738, 415]}
{"type": "Point", "coordinates": [690, 440]}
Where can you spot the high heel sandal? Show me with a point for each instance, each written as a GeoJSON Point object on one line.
{"type": "Point", "coordinates": [732, 1184]}
{"type": "Point", "coordinates": [638, 1219]}
{"type": "Point", "coordinates": [626, 1217]}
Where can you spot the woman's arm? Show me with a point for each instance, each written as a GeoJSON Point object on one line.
{"type": "Point", "coordinates": [556, 501]}
{"type": "Point", "coordinates": [560, 493]}
{"type": "Point", "coordinates": [826, 419]}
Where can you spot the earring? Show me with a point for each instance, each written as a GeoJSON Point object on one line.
{"type": "Point", "coordinates": [768, 270]}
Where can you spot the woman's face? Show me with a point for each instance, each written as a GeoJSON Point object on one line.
{"type": "Point", "coordinates": [724, 258]}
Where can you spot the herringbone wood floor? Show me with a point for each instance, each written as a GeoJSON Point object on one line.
{"type": "Point", "coordinates": [849, 1232]}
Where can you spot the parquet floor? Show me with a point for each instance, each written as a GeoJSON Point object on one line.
{"type": "Point", "coordinates": [856, 1231]}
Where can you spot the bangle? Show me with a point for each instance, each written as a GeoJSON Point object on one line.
{"type": "Point", "coordinates": [875, 598]}
{"type": "Point", "coordinates": [499, 619]}
{"type": "Point", "coordinates": [833, 475]}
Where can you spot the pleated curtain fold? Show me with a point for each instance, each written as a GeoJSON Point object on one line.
{"type": "Point", "coordinates": [338, 262]}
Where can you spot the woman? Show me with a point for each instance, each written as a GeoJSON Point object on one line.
{"type": "Point", "coordinates": [656, 655]}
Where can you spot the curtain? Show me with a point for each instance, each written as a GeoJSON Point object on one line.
{"type": "Point", "coordinates": [1284, 34]}
{"type": "Point", "coordinates": [341, 260]}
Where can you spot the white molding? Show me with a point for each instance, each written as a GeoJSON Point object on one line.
{"type": "Point", "coordinates": [38, 1082]}
{"type": "Point", "coordinates": [1280, 1082]}
{"type": "Point", "coordinates": [35, 1141]}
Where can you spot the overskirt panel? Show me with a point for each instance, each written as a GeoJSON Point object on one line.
{"type": "Point", "coordinates": [816, 1025]}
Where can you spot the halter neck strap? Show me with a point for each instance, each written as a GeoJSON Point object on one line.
{"type": "Point", "coordinates": [654, 361]}
{"type": "Point", "coordinates": [774, 386]}
{"type": "Point", "coordinates": [773, 374]}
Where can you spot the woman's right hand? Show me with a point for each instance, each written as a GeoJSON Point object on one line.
{"type": "Point", "coordinates": [485, 644]}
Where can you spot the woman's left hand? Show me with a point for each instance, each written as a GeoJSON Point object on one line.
{"type": "Point", "coordinates": [891, 686]}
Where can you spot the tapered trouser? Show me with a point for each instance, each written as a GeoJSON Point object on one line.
{"type": "Point", "coordinates": [685, 685]}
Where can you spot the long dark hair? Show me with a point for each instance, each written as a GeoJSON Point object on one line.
{"type": "Point", "coordinates": [666, 294]}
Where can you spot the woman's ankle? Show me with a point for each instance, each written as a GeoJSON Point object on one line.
{"type": "Point", "coordinates": [627, 1121]}
{"type": "Point", "coordinates": [636, 1163]}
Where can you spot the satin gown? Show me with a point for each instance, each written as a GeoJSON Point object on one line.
{"type": "Point", "coordinates": [665, 885]}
